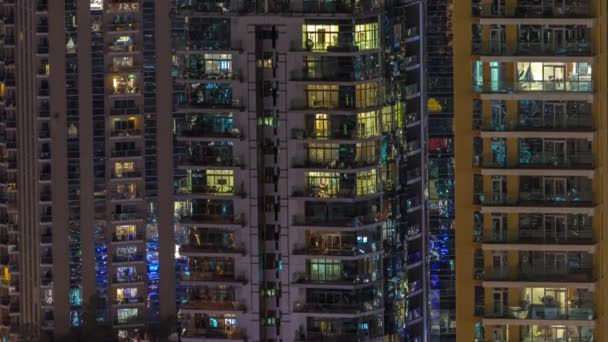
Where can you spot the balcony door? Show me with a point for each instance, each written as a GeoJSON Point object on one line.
{"type": "Point", "coordinates": [554, 152]}
{"type": "Point", "coordinates": [554, 115]}
{"type": "Point", "coordinates": [331, 241]}
{"type": "Point", "coordinates": [499, 227]}
{"type": "Point", "coordinates": [498, 8]}
{"type": "Point", "coordinates": [554, 76]}
{"type": "Point", "coordinates": [555, 228]}
{"type": "Point", "coordinates": [499, 263]}
{"type": "Point", "coordinates": [499, 334]}
{"type": "Point", "coordinates": [556, 263]}
{"type": "Point", "coordinates": [499, 188]}
{"type": "Point", "coordinates": [555, 189]}
{"type": "Point", "coordinates": [498, 39]}
{"type": "Point", "coordinates": [500, 301]}
{"type": "Point", "coordinates": [555, 39]}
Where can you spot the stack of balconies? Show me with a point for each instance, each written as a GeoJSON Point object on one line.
{"type": "Point", "coordinates": [126, 237]}
{"type": "Point", "coordinates": [536, 171]}
{"type": "Point", "coordinates": [210, 178]}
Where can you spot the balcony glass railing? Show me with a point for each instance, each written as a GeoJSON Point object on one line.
{"type": "Point", "coordinates": [541, 272]}
{"type": "Point", "coordinates": [536, 200]}
{"type": "Point", "coordinates": [530, 122]}
{"type": "Point", "coordinates": [337, 308]}
{"type": "Point", "coordinates": [535, 86]}
{"type": "Point", "coordinates": [582, 311]}
{"type": "Point", "coordinates": [577, 9]}
{"type": "Point", "coordinates": [343, 250]}
{"type": "Point", "coordinates": [574, 48]}
{"type": "Point", "coordinates": [346, 278]}
{"type": "Point", "coordinates": [540, 161]}
{"type": "Point", "coordinates": [194, 247]}
{"type": "Point", "coordinates": [212, 276]}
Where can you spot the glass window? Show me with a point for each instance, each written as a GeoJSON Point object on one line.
{"type": "Point", "coordinates": [322, 96]}
{"type": "Point", "coordinates": [319, 37]}
{"type": "Point", "coordinates": [366, 36]}
{"type": "Point", "coordinates": [325, 269]}
{"type": "Point", "coordinates": [366, 95]}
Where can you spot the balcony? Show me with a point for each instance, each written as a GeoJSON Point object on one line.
{"type": "Point", "coordinates": [211, 335]}
{"type": "Point", "coordinates": [196, 75]}
{"type": "Point", "coordinates": [125, 133]}
{"type": "Point", "coordinates": [201, 250]}
{"type": "Point", "coordinates": [330, 136]}
{"type": "Point", "coordinates": [127, 216]}
{"type": "Point", "coordinates": [346, 281]}
{"type": "Point", "coordinates": [539, 241]}
{"type": "Point", "coordinates": [332, 72]}
{"type": "Point", "coordinates": [122, 6]}
{"type": "Point", "coordinates": [582, 314]}
{"type": "Point", "coordinates": [125, 322]}
{"type": "Point", "coordinates": [196, 45]}
{"type": "Point", "coordinates": [125, 153]}
{"type": "Point", "coordinates": [354, 223]}
{"type": "Point", "coordinates": [129, 279]}
{"type": "Point", "coordinates": [203, 306]}
{"type": "Point", "coordinates": [209, 161]}
{"type": "Point", "coordinates": [125, 111]}
{"type": "Point", "coordinates": [125, 196]}
{"type": "Point", "coordinates": [337, 7]}
{"type": "Point", "coordinates": [212, 220]}
{"type": "Point", "coordinates": [571, 126]}
{"type": "Point", "coordinates": [138, 300]}
{"type": "Point", "coordinates": [536, 90]}
{"type": "Point", "coordinates": [345, 251]}
{"type": "Point", "coordinates": [205, 133]}
{"type": "Point", "coordinates": [541, 275]}
{"type": "Point", "coordinates": [341, 195]}
{"type": "Point", "coordinates": [571, 13]}
{"type": "Point", "coordinates": [535, 205]}
{"type": "Point", "coordinates": [127, 27]}
{"type": "Point", "coordinates": [578, 164]}
{"type": "Point", "coordinates": [336, 164]}
{"type": "Point", "coordinates": [127, 258]}
{"type": "Point", "coordinates": [568, 52]}
{"type": "Point", "coordinates": [211, 191]}
{"type": "Point", "coordinates": [213, 278]}
{"type": "Point", "coordinates": [126, 175]}
{"type": "Point", "coordinates": [338, 310]}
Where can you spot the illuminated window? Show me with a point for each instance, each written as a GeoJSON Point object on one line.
{"type": "Point", "coordinates": [125, 232]}
{"type": "Point", "coordinates": [367, 182]}
{"type": "Point", "coordinates": [366, 95]}
{"type": "Point", "coordinates": [96, 5]}
{"type": "Point", "coordinates": [322, 96]}
{"type": "Point", "coordinates": [323, 184]}
{"type": "Point", "coordinates": [367, 152]}
{"type": "Point", "coordinates": [122, 169]}
{"type": "Point", "coordinates": [325, 269]}
{"type": "Point", "coordinates": [218, 64]}
{"type": "Point", "coordinates": [322, 153]}
{"type": "Point", "coordinates": [124, 295]}
{"type": "Point", "coordinates": [387, 119]}
{"type": "Point", "coordinates": [126, 315]}
{"type": "Point", "coordinates": [319, 37]}
{"type": "Point", "coordinates": [321, 126]}
{"type": "Point", "coordinates": [367, 124]}
{"type": "Point", "coordinates": [366, 36]}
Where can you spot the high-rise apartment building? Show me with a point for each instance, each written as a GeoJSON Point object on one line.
{"type": "Point", "coordinates": [300, 165]}
{"type": "Point", "coordinates": [530, 84]}
{"type": "Point", "coordinates": [243, 170]}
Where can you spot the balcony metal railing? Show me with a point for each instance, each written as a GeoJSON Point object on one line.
{"type": "Point", "coordinates": [204, 132]}
{"type": "Point", "coordinates": [337, 308]}
{"type": "Point", "coordinates": [211, 219]}
{"type": "Point", "coordinates": [298, 133]}
{"type": "Point", "coordinates": [345, 250]}
{"type": "Point", "coordinates": [535, 86]}
{"type": "Point", "coordinates": [345, 278]}
{"type": "Point", "coordinates": [316, 192]}
{"type": "Point", "coordinates": [214, 333]}
{"type": "Point", "coordinates": [212, 276]}
{"type": "Point", "coordinates": [125, 111]}
{"type": "Point", "coordinates": [127, 237]}
{"type": "Point", "coordinates": [129, 300]}
{"type": "Point", "coordinates": [355, 221]}
{"type": "Point", "coordinates": [212, 190]}
{"type": "Point", "coordinates": [126, 216]}
{"type": "Point", "coordinates": [212, 248]}
{"type": "Point", "coordinates": [125, 153]}
{"type": "Point", "coordinates": [132, 132]}
{"type": "Point", "coordinates": [334, 163]}
{"type": "Point", "coordinates": [127, 258]}
{"type": "Point", "coordinates": [131, 278]}
{"type": "Point", "coordinates": [213, 305]}
{"type": "Point", "coordinates": [194, 160]}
